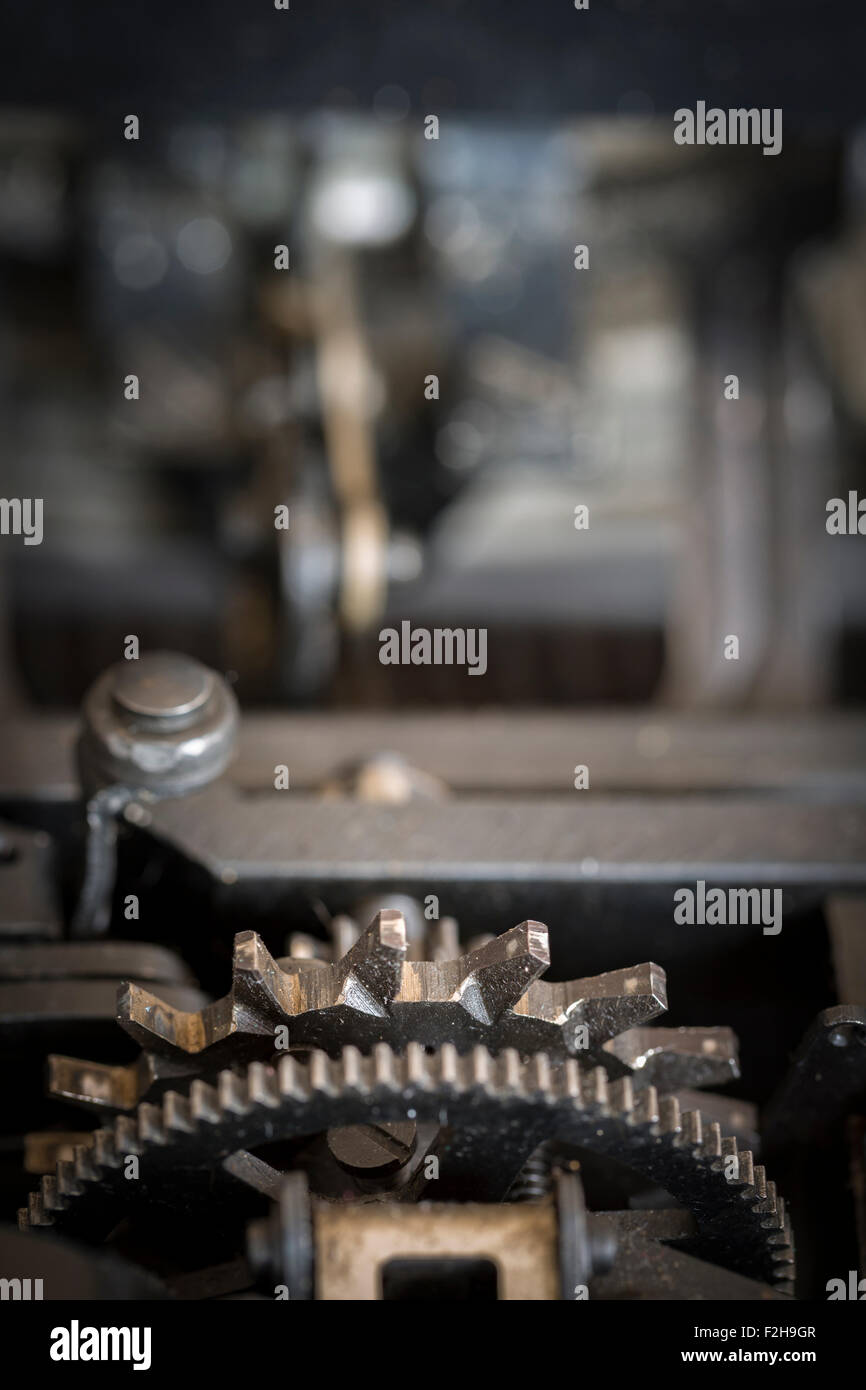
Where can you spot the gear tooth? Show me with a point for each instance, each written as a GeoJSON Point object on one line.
{"type": "Point", "coordinates": [232, 1093]}
{"type": "Point", "coordinates": [105, 1148]}
{"type": "Point", "coordinates": [597, 1088]}
{"type": "Point", "coordinates": [293, 1078]}
{"type": "Point", "coordinates": [67, 1183]}
{"type": "Point", "coordinates": [48, 1199]}
{"type": "Point", "coordinates": [449, 1066]}
{"type": "Point", "coordinates": [571, 1082]}
{"type": "Point", "coordinates": [321, 1078]}
{"type": "Point", "coordinates": [353, 1072]}
{"type": "Point", "coordinates": [495, 977]}
{"type": "Point", "coordinates": [692, 1129]}
{"type": "Point", "coordinates": [176, 1113]}
{"type": "Point", "coordinates": [770, 1205]}
{"type": "Point", "coordinates": [36, 1213]}
{"type": "Point", "coordinates": [757, 1214]}
{"type": "Point", "coordinates": [539, 1078]}
{"type": "Point", "coordinates": [263, 1085]}
{"type": "Point", "coordinates": [646, 1106]}
{"type": "Point", "coordinates": [417, 1068]}
{"type": "Point", "coordinates": [384, 1066]}
{"type": "Point", "coordinates": [203, 1102]}
{"type": "Point", "coordinates": [508, 1064]}
{"type": "Point", "coordinates": [126, 1134]}
{"type": "Point", "coordinates": [622, 1095]}
{"type": "Point", "coordinates": [85, 1168]}
{"type": "Point", "coordinates": [481, 1067]}
{"type": "Point", "coordinates": [713, 1140]}
{"type": "Point", "coordinates": [260, 989]}
{"type": "Point", "coordinates": [783, 1258]}
{"type": "Point", "coordinates": [683, 1057]}
{"type": "Point", "coordinates": [151, 1127]}
{"type": "Point", "coordinates": [250, 956]}
{"type": "Point", "coordinates": [375, 962]}
{"type": "Point", "coordinates": [669, 1115]}
{"type": "Point", "coordinates": [145, 1017]}
{"type": "Point", "coordinates": [386, 935]}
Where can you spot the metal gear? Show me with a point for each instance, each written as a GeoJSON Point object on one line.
{"type": "Point", "coordinates": [500, 1105]}
{"type": "Point", "coordinates": [375, 991]}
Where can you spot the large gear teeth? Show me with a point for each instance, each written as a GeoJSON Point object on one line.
{"type": "Point", "coordinates": [713, 1143]}
{"type": "Point", "coordinates": [741, 1219]}
{"type": "Point", "coordinates": [492, 994]}
{"type": "Point", "coordinates": [679, 1057]}
{"type": "Point", "coordinates": [375, 993]}
{"type": "Point", "coordinates": [368, 977]}
{"type": "Point", "coordinates": [204, 1103]}
{"type": "Point", "coordinates": [647, 1111]}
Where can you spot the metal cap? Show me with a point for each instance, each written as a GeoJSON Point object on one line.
{"type": "Point", "coordinates": [164, 724]}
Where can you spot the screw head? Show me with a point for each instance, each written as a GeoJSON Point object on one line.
{"type": "Point", "coordinates": [374, 1149]}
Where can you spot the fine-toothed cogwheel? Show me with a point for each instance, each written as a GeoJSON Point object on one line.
{"type": "Point", "coordinates": [374, 992]}
{"type": "Point", "coordinates": [483, 1104]}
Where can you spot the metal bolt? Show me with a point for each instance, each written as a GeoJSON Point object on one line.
{"type": "Point", "coordinates": [373, 1150]}
{"type": "Point", "coordinates": [163, 724]}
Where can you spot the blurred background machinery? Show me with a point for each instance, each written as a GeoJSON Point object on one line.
{"type": "Point", "coordinates": [431, 388]}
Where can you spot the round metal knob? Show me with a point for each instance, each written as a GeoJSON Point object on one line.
{"type": "Point", "coordinates": [162, 685]}
{"type": "Point", "coordinates": [163, 724]}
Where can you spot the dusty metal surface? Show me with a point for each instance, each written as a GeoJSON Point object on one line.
{"type": "Point", "coordinates": [648, 1268]}
{"type": "Point", "coordinates": [299, 840]}
{"type": "Point", "coordinates": [496, 1111]}
{"type": "Point", "coordinates": [487, 752]}
{"type": "Point", "coordinates": [374, 994]}
{"type": "Point", "coordinates": [377, 992]}
{"type": "Point", "coordinates": [354, 1245]}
